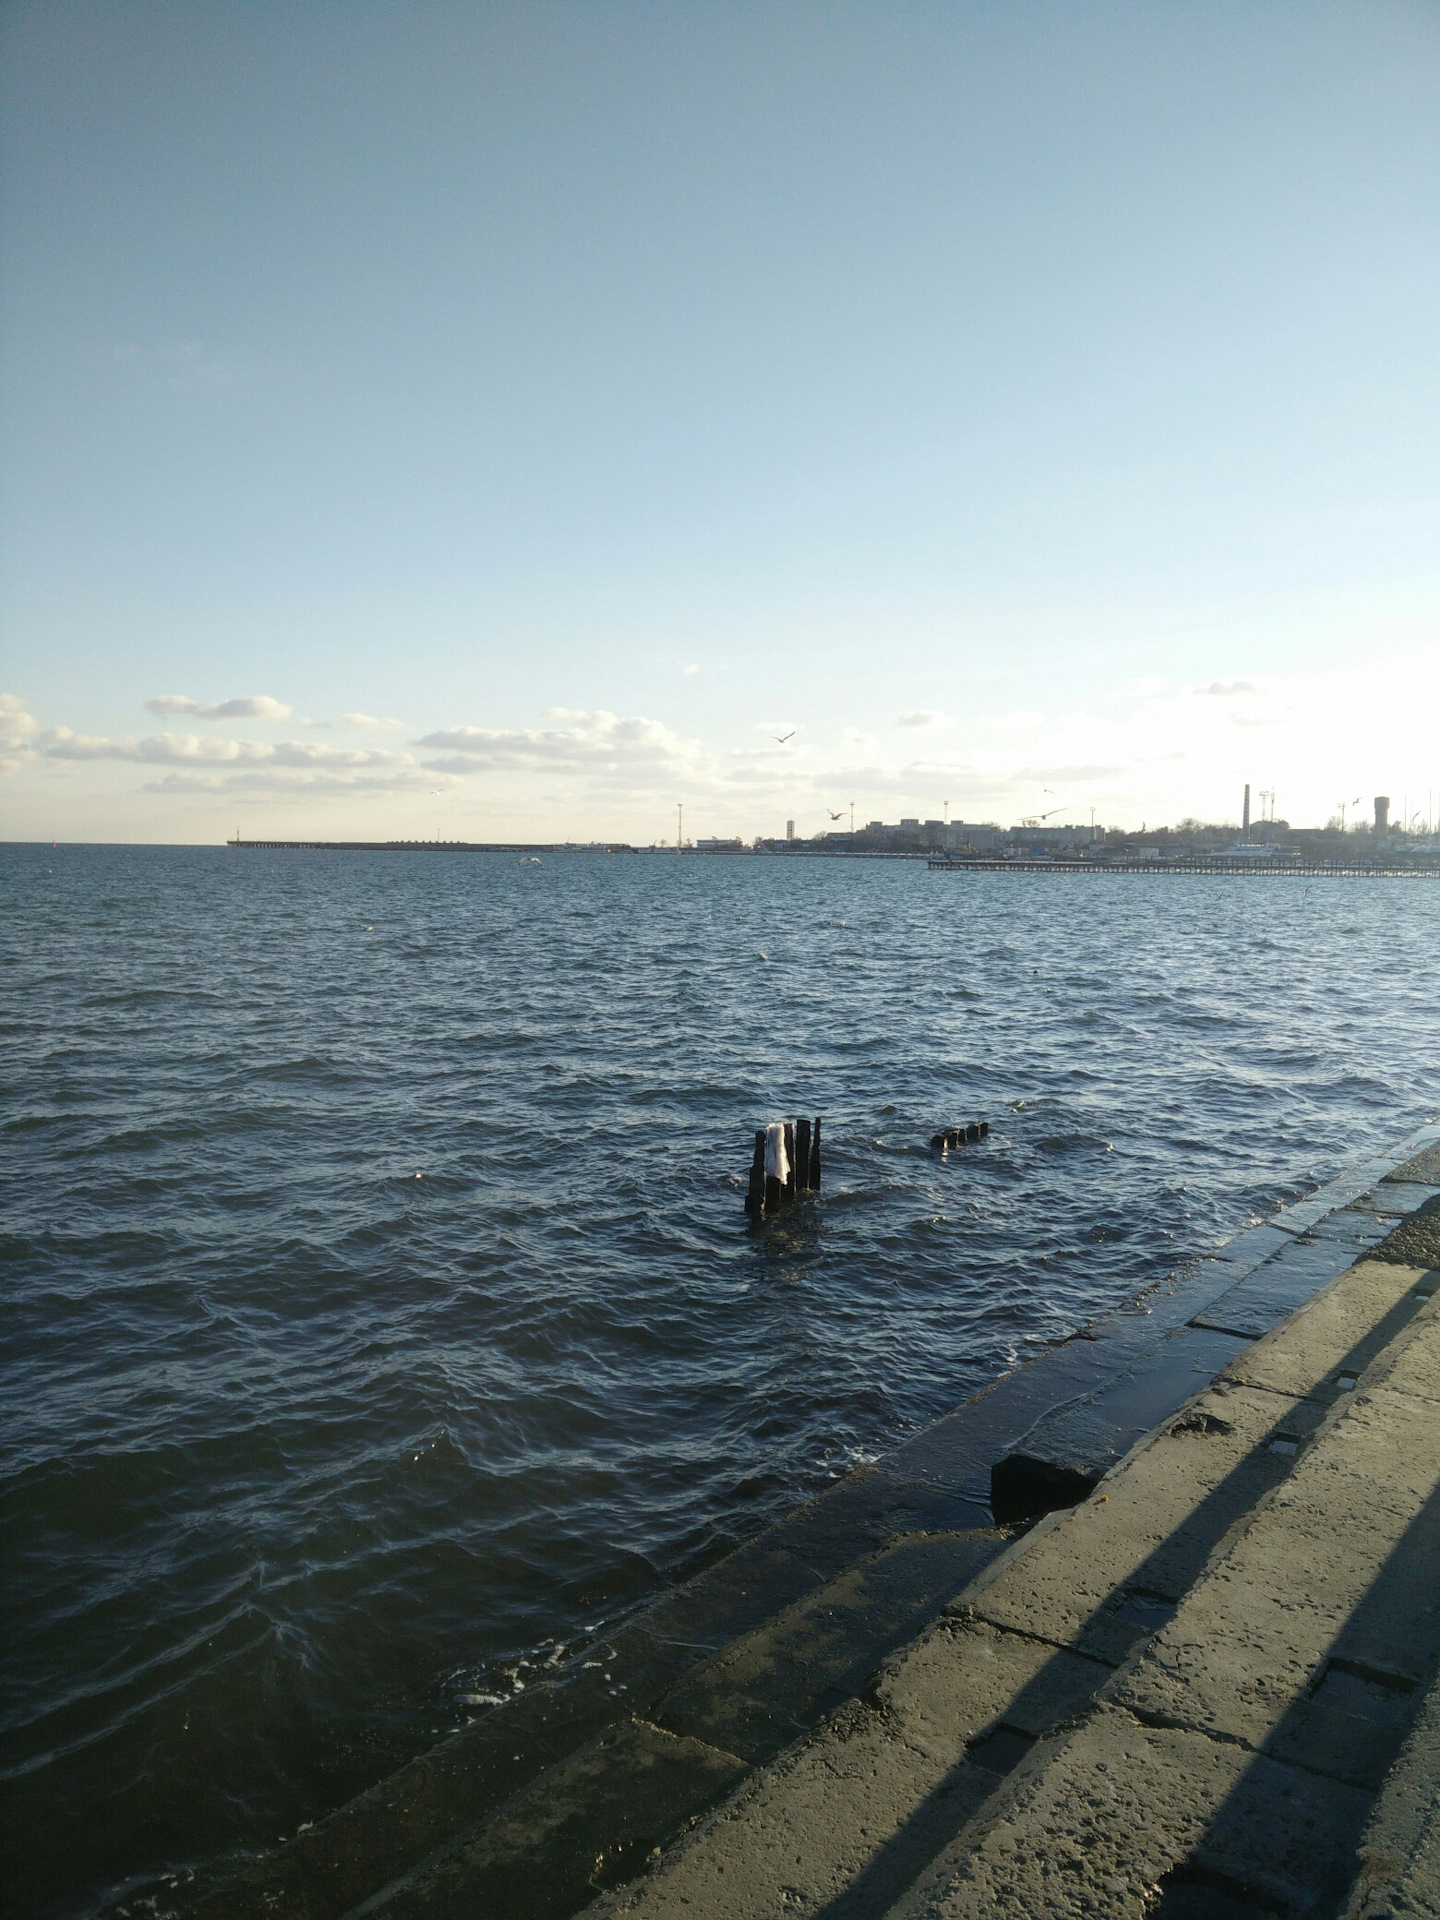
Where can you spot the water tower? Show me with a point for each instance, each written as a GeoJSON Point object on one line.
{"type": "Point", "coordinates": [1382, 813]}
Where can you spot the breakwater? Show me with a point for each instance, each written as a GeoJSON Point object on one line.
{"type": "Point", "coordinates": [1236, 866]}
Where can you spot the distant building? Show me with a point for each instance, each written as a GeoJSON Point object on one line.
{"type": "Point", "coordinates": [719, 846]}
{"type": "Point", "coordinates": [963, 835]}
{"type": "Point", "coordinates": [1049, 836]}
{"type": "Point", "coordinates": [789, 829]}
{"type": "Point", "coordinates": [1382, 813]}
{"type": "Point", "coordinates": [928, 836]}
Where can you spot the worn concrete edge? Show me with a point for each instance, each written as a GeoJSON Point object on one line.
{"type": "Point", "coordinates": [263, 1876]}
{"type": "Point", "coordinates": [1405, 1822]}
{"type": "Point", "coordinates": [1297, 1222]}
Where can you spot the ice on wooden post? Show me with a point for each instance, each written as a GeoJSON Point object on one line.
{"type": "Point", "coordinates": [777, 1164]}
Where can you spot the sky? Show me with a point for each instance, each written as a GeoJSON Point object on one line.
{"type": "Point", "coordinates": [498, 422]}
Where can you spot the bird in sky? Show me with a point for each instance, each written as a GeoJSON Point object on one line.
{"type": "Point", "coordinates": [834, 816]}
{"type": "Point", "coordinates": [781, 738]}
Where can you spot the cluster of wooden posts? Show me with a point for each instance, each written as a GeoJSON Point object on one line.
{"type": "Point", "coordinates": [960, 1136]}
{"type": "Point", "coordinates": [786, 1164]}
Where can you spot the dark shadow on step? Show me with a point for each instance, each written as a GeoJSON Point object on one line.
{"type": "Point", "coordinates": [1144, 1601]}
{"type": "Point", "coordinates": [1346, 1725]}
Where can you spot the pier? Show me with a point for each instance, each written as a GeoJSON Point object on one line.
{"type": "Point", "coordinates": [419, 846]}
{"type": "Point", "coordinates": [1420, 868]}
{"type": "Point", "coordinates": [1147, 1627]}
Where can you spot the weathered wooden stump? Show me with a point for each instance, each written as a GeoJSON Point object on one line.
{"type": "Point", "coordinates": [786, 1164]}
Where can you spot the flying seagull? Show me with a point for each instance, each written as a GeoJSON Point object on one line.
{"type": "Point", "coordinates": [781, 738]}
{"type": "Point", "coordinates": [835, 816]}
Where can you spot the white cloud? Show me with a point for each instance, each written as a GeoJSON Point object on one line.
{"type": "Point", "coordinates": [298, 785]}
{"type": "Point", "coordinates": [161, 749]}
{"type": "Point", "coordinates": [924, 717]}
{"type": "Point", "coordinates": [692, 668]}
{"type": "Point", "coordinates": [363, 722]}
{"type": "Point", "coordinates": [18, 730]}
{"type": "Point", "coordinates": [214, 765]}
{"type": "Point", "coordinates": [1231, 689]}
{"type": "Point", "coordinates": [17, 724]}
{"type": "Point", "coordinates": [256, 706]}
{"type": "Point", "coordinates": [634, 750]}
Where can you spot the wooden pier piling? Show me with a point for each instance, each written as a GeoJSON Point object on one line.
{"type": "Point", "coordinates": [798, 1143]}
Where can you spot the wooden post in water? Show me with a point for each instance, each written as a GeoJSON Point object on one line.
{"type": "Point", "coordinates": [798, 1141]}
{"type": "Point", "coordinates": [755, 1198]}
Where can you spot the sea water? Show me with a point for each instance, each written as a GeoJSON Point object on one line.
{"type": "Point", "coordinates": [380, 1317]}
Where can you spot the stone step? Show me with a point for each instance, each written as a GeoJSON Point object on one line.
{"type": "Point", "coordinates": [1231, 1763]}
{"type": "Point", "coordinates": [886, 1797]}
{"type": "Point", "coordinates": [593, 1819]}
{"type": "Point", "coordinates": [1065, 1454]}
{"type": "Point", "coordinates": [1399, 1849]}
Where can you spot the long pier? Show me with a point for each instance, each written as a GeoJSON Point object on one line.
{"type": "Point", "coordinates": [1220, 863]}
{"type": "Point", "coordinates": [423, 846]}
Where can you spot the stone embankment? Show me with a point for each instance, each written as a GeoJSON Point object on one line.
{"type": "Point", "coordinates": [1201, 1684]}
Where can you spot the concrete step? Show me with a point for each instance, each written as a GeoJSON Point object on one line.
{"type": "Point", "coordinates": [1231, 1763]}
{"type": "Point", "coordinates": [888, 1802]}
{"type": "Point", "coordinates": [1067, 1452]}
{"type": "Point", "coordinates": [1222, 1304]}
{"type": "Point", "coordinates": [593, 1820]}
{"type": "Point", "coordinates": [1399, 1850]}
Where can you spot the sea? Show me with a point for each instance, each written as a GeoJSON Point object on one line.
{"type": "Point", "coordinates": [380, 1316]}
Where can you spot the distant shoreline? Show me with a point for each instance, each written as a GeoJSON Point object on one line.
{"type": "Point", "coordinates": [1301, 869]}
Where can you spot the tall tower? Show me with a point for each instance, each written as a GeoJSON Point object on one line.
{"type": "Point", "coordinates": [1245, 825]}
{"type": "Point", "coordinates": [1382, 813]}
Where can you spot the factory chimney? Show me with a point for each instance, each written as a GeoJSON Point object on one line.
{"type": "Point", "coordinates": [1245, 826]}
{"type": "Point", "coordinates": [1382, 813]}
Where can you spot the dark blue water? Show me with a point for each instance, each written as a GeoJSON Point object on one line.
{"type": "Point", "coordinates": [378, 1309]}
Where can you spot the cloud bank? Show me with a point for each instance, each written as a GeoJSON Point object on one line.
{"type": "Point", "coordinates": [255, 706]}
{"type": "Point", "coordinates": [1151, 749]}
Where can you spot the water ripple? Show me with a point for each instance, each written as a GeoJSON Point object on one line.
{"type": "Point", "coordinates": [379, 1317]}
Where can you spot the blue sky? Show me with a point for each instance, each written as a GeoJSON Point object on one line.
{"type": "Point", "coordinates": [1005, 397]}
